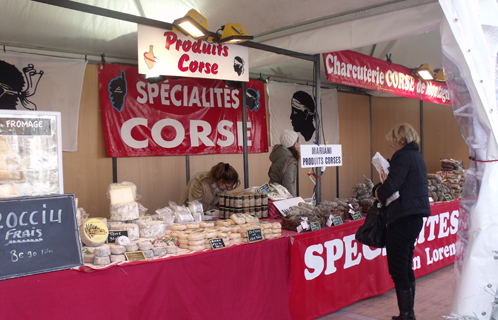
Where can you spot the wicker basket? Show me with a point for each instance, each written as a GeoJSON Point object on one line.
{"type": "Point", "coordinates": [289, 224]}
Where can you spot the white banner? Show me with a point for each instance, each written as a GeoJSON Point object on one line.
{"type": "Point", "coordinates": [292, 107]}
{"type": "Point", "coordinates": [164, 52]}
{"type": "Point", "coordinates": [34, 82]}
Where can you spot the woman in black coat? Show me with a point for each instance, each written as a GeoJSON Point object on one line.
{"type": "Point", "coordinates": [408, 176]}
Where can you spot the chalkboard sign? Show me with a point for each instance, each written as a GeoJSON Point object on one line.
{"type": "Point", "coordinates": [217, 243]}
{"type": "Point", "coordinates": [356, 216]}
{"type": "Point", "coordinates": [114, 234]}
{"type": "Point", "coordinates": [264, 188]}
{"type": "Point", "coordinates": [254, 235]}
{"type": "Point", "coordinates": [315, 226]}
{"type": "Point", "coordinates": [337, 221]}
{"type": "Point", "coordinates": [37, 235]}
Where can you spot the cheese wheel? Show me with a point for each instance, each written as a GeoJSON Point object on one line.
{"type": "Point", "coordinates": [222, 234]}
{"type": "Point", "coordinates": [183, 245]}
{"type": "Point", "coordinates": [88, 257]}
{"type": "Point", "coordinates": [224, 223]}
{"type": "Point", "coordinates": [149, 254]}
{"type": "Point", "coordinates": [235, 236]}
{"type": "Point", "coordinates": [183, 241]}
{"type": "Point", "coordinates": [102, 251]}
{"type": "Point", "coordinates": [225, 239]}
{"type": "Point", "coordinates": [101, 260]}
{"type": "Point", "coordinates": [117, 258]}
{"type": "Point", "coordinates": [265, 225]}
{"type": "Point", "coordinates": [94, 232]}
{"type": "Point", "coordinates": [145, 245]}
{"type": "Point", "coordinates": [117, 249]}
{"type": "Point", "coordinates": [208, 246]}
{"type": "Point", "coordinates": [122, 193]}
{"type": "Point", "coordinates": [245, 240]}
{"type": "Point", "coordinates": [238, 219]}
{"type": "Point", "coordinates": [182, 235]}
{"type": "Point", "coordinates": [223, 228]}
{"type": "Point", "coordinates": [122, 240]}
{"type": "Point", "coordinates": [198, 235]}
{"type": "Point", "coordinates": [159, 251]}
{"type": "Point", "coordinates": [236, 241]}
{"type": "Point", "coordinates": [174, 234]}
{"type": "Point", "coordinates": [211, 234]}
{"type": "Point", "coordinates": [192, 225]}
{"type": "Point", "coordinates": [267, 231]}
{"type": "Point", "coordinates": [124, 212]}
{"type": "Point", "coordinates": [177, 226]}
{"type": "Point", "coordinates": [276, 225]}
{"type": "Point", "coordinates": [206, 224]}
{"type": "Point", "coordinates": [133, 231]}
{"type": "Point", "coordinates": [131, 247]}
{"type": "Point", "coordinates": [152, 229]}
{"type": "Point", "coordinates": [196, 242]}
{"type": "Point", "coordinates": [250, 218]}
{"type": "Point", "coordinates": [197, 248]}
{"type": "Point", "coordinates": [235, 228]}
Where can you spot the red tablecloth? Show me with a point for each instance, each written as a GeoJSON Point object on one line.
{"type": "Point", "coordinates": [240, 282]}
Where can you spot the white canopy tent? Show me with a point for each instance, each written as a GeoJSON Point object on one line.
{"type": "Point", "coordinates": [409, 30]}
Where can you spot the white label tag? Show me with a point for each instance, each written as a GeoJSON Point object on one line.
{"type": "Point", "coordinates": [351, 211]}
{"type": "Point", "coordinates": [329, 223]}
{"type": "Point", "coordinates": [305, 225]}
{"type": "Point", "coordinates": [350, 205]}
{"type": "Point", "coordinates": [299, 229]}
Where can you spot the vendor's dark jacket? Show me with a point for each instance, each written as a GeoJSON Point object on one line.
{"type": "Point", "coordinates": [408, 175]}
{"type": "Point", "coordinates": [283, 169]}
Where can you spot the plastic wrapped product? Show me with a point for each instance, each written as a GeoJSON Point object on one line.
{"type": "Point", "coordinates": [133, 232]}
{"type": "Point", "coordinates": [237, 219]}
{"type": "Point", "coordinates": [117, 249]}
{"type": "Point", "coordinates": [222, 234]}
{"type": "Point", "coordinates": [171, 249]}
{"type": "Point", "coordinates": [120, 193]}
{"type": "Point", "coordinates": [159, 251]}
{"type": "Point", "coordinates": [117, 257]}
{"type": "Point", "coordinates": [223, 228]}
{"type": "Point", "coordinates": [122, 240]}
{"type": "Point", "coordinates": [151, 229]}
{"type": "Point", "coordinates": [196, 209]}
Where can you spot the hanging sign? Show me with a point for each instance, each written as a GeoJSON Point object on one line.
{"type": "Point", "coordinates": [181, 116]}
{"type": "Point", "coordinates": [164, 52]}
{"type": "Point", "coordinates": [313, 155]}
{"type": "Point", "coordinates": [359, 70]}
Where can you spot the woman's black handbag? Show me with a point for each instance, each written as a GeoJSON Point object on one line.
{"type": "Point", "coordinates": [373, 231]}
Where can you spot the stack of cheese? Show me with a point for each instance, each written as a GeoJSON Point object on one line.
{"type": "Point", "coordinates": [124, 209]}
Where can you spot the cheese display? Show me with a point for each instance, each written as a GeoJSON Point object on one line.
{"type": "Point", "coordinates": [102, 260]}
{"type": "Point", "coordinates": [102, 251]}
{"type": "Point", "coordinates": [133, 231]}
{"type": "Point", "coordinates": [145, 245]}
{"type": "Point", "coordinates": [117, 258]}
{"type": "Point", "coordinates": [151, 229]}
{"type": "Point", "coordinates": [120, 193]}
{"type": "Point", "coordinates": [117, 249]}
{"type": "Point", "coordinates": [93, 232]}
{"type": "Point", "coordinates": [159, 251]}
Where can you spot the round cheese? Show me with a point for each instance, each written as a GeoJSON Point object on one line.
{"type": "Point", "coordinates": [117, 249]}
{"type": "Point", "coordinates": [198, 235]}
{"type": "Point", "coordinates": [122, 240]}
{"type": "Point", "coordinates": [196, 242]}
{"type": "Point", "coordinates": [182, 235]}
{"type": "Point", "coordinates": [117, 257]}
{"type": "Point", "coordinates": [171, 249]}
{"type": "Point", "coordinates": [131, 247]}
{"type": "Point", "coordinates": [235, 236]}
{"type": "Point", "coordinates": [197, 248]}
{"type": "Point", "coordinates": [124, 212]}
{"type": "Point", "coordinates": [145, 245]}
{"type": "Point", "coordinates": [237, 219]}
{"type": "Point", "coordinates": [149, 254]}
{"type": "Point", "coordinates": [236, 241]}
{"type": "Point", "coordinates": [183, 245]}
{"type": "Point", "coordinates": [102, 260]}
{"type": "Point", "coordinates": [223, 228]}
{"type": "Point", "coordinates": [94, 232]}
{"type": "Point", "coordinates": [265, 225]}
{"type": "Point", "coordinates": [159, 251]}
{"type": "Point", "coordinates": [177, 226]}
{"type": "Point", "coordinates": [88, 257]}
{"type": "Point", "coordinates": [183, 241]}
{"type": "Point", "coordinates": [102, 251]}
{"type": "Point", "coordinates": [222, 234]}
{"type": "Point", "coordinates": [192, 225]}
{"type": "Point", "coordinates": [206, 224]}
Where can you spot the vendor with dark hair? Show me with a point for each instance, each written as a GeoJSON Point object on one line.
{"type": "Point", "coordinates": [208, 185]}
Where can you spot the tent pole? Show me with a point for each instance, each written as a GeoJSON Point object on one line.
{"type": "Point", "coordinates": [244, 135]}
{"type": "Point", "coordinates": [318, 118]}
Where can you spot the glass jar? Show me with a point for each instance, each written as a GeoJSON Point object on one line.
{"type": "Point", "coordinates": [264, 212]}
{"type": "Point", "coordinates": [257, 200]}
{"type": "Point", "coordinates": [257, 212]}
{"type": "Point", "coordinates": [251, 200]}
{"type": "Point", "coordinates": [245, 200]}
{"type": "Point", "coordinates": [264, 199]}
{"type": "Point", "coordinates": [221, 201]}
{"type": "Point", "coordinates": [237, 201]}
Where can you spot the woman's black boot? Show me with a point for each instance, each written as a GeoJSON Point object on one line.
{"type": "Point", "coordinates": [405, 304]}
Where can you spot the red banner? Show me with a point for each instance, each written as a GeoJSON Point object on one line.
{"type": "Point", "coordinates": [330, 270]}
{"type": "Point", "coordinates": [359, 70]}
{"type": "Point", "coordinates": [178, 116]}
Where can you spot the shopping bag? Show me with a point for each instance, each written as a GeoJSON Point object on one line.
{"type": "Point", "coordinates": [373, 231]}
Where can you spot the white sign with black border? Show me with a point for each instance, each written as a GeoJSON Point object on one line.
{"type": "Point", "coordinates": [313, 155]}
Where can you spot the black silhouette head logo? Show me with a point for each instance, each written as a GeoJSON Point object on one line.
{"type": "Point", "coordinates": [238, 65]}
{"type": "Point", "coordinates": [16, 86]}
{"type": "Point", "coordinates": [303, 114]}
{"type": "Point", "coordinates": [117, 91]}
{"type": "Point", "coordinates": [252, 99]}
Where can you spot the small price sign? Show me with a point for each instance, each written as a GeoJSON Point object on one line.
{"type": "Point", "coordinates": [254, 235]}
{"type": "Point", "coordinates": [447, 197]}
{"type": "Point", "coordinates": [217, 243]}
{"type": "Point", "coordinates": [356, 216]}
{"type": "Point", "coordinates": [135, 256]}
{"type": "Point", "coordinates": [315, 226]}
{"type": "Point", "coordinates": [337, 221]}
{"type": "Point", "coordinates": [114, 234]}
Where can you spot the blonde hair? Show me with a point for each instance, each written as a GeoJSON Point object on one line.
{"type": "Point", "coordinates": [403, 134]}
